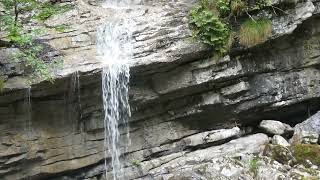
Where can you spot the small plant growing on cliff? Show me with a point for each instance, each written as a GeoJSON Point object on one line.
{"type": "Point", "coordinates": [209, 29]}
{"type": "Point", "coordinates": [210, 22]}
{"type": "Point", "coordinates": [259, 4]}
{"type": "Point", "coordinates": [136, 163]}
{"type": "Point", "coordinates": [238, 7]}
{"type": "Point", "coordinates": [253, 166]}
{"type": "Point", "coordinates": [253, 32]}
{"type": "Point", "coordinates": [48, 9]}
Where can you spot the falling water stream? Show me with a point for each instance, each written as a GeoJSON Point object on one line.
{"type": "Point", "coordinates": [114, 47]}
{"type": "Point", "coordinates": [28, 112]}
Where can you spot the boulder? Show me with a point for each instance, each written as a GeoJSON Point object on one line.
{"type": "Point", "coordinates": [305, 137]}
{"type": "Point", "coordinates": [279, 140]}
{"type": "Point", "coordinates": [280, 153]}
{"type": "Point", "coordinates": [211, 136]}
{"type": "Point", "coordinates": [308, 131]}
{"type": "Point", "coordinates": [252, 144]}
{"type": "Point", "coordinates": [275, 127]}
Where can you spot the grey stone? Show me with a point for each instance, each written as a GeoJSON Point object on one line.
{"type": "Point", "coordinates": [282, 154]}
{"type": "Point", "coordinates": [308, 131]}
{"type": "Point", "coordinates": [275, 127]}
{"type": "Point", "coordinates": [211, 136]}
{"type": "Point", "coordinates": [245, 145]}
{"type": "Point", "coordinates": [279, 140]}
{"type": "Point", "coordinates": [9, 65]}
{"type": "Point", "coordinates": [305, 137]}
{"type": "Point", "coordinates": [235, 89]}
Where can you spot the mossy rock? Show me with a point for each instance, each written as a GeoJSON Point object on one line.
{"type": "Point", "coordinates": [303, 152]}
{"type": "Point", "coordinates": [279, 153]}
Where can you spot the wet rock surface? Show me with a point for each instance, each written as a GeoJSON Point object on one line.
{"type": "Point", "coordinates": [188, 110]}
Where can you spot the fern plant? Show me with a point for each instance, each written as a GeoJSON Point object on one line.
{"type": "Point", "coordinates": [209, 29]}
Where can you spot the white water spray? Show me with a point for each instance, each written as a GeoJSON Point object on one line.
{"type": "Point", "coordinates": [118, 4]}
{"type": "Point", "coordinates": [115, 50]}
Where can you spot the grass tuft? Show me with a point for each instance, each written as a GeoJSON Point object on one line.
{"type": "Point", "coordinates": [253, 32]}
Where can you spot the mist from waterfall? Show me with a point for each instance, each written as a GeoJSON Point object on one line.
{"type": "Point", "coordinates": [114, 48]}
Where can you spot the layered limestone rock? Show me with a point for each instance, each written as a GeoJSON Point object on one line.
{"type": "Point", "coordinates": [179, 96]}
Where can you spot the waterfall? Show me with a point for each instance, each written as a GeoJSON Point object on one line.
{"type": "Point", "coordinates": [28, 112]}
{"type": "Point", "coordinates": [74, 97]}
{"type": "Point", "coordinates": [114, 48]}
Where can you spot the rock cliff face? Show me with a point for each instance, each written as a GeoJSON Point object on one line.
{"type": "Point", "coordinates": [179, 96]}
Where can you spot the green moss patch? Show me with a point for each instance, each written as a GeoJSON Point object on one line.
{"type": "Point", "coordinates": [303, 152]}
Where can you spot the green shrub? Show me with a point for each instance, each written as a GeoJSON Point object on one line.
{"type": "Point", "coordinates": [12, 25]}
{"type": "Point", "coordinates": [209, 29]}
{"type": "Point", "coordinates": [29, 52]}
{"type": "Point", "coordinates": [253, 32]}
{"type": "Point", "coordinates": [210, 23]}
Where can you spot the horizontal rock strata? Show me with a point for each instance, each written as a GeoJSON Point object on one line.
{"type": "Point", "coordinates": [179, 96]}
